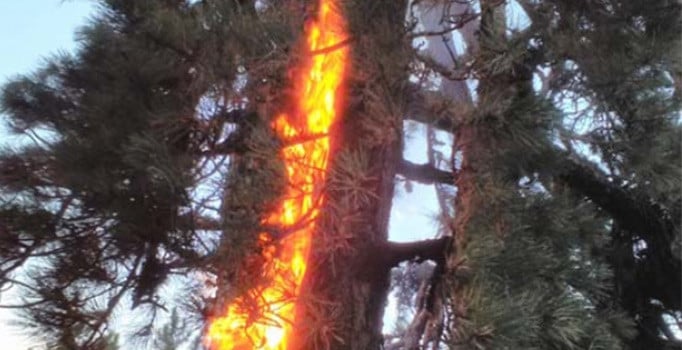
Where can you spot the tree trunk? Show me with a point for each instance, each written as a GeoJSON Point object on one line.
{"type": "Point", "coordinates": [345, 289]}
{"type": "Point", "coordinates": [478, 207]}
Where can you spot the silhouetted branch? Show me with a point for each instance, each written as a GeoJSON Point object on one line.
{"type": "Point", "coordinates": [459, 21]}
{"type": "Point", "coordinates": [230, 146]}
{"type": "Point", "coordinates": [643, 217]}
{"type": "Point", "coordinates": [430, 249]}
{"type": "Point", "coordinates": [332, 47]}
{"type": "Point", "coordinates": [424, 173]}
{"type": "Point", "coordinates": [635, 211]}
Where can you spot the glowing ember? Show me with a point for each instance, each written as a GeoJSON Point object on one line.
{"type": "Point", "coordinates": [269, 327]}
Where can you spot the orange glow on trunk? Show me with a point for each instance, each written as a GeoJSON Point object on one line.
{"type": "Point", "coordinates": [317, 85]}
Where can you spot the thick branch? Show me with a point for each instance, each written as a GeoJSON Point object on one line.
{"type": "Point", "coordinates": [640, 215]}
{"type": "Point", "coordinates": [236, 144]}
{"type": "Point", "coordinates": [636, 212]}
{"type": "Point", "coordinates": [424, 173]}
{"type": "Point", "coordinates": [431, 249]}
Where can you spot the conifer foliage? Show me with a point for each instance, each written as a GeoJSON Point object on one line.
{"type": "Point", "coordinates": [148, 153]}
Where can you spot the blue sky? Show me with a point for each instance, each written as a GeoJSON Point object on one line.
{"type": "Point", "coordinates": [34, 29]}
{"type": "Point", "coordinates": [30, 31]}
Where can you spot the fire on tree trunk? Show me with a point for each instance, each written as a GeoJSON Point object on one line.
{"type": "Point", "coordinates": [347, 283]}
{"type": "Point", "coordinates": [274, 323]}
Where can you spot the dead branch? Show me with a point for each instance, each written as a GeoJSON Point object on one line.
{"type": "Point", "coordinates": [461, 21]}
{"type": "Point", "coordinates": [431, 249]}
{"type": "Point", "coordinates": [424, 173]}
{"type": "Point", "coordinates": [331, 48]}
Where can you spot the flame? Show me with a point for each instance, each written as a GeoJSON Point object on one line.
{"type": "Point", "coordinates": [306, 156]}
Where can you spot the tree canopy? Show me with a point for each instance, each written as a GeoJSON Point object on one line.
{"type": "Point", "coordinates": [148, 160]}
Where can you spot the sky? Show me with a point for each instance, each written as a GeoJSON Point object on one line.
{"type": "Point", "coordinates": [30, 31]}
{"type": "Point", "coordinates": [34, 29]}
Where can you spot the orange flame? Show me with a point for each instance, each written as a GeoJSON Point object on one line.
{"type": "Point", "coordinates": [318, 85]}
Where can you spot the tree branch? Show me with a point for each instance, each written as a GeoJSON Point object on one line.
{"type": "Point", "coordinates": [232, 145]}
{"type": "Point", "coordinates": [462, 20]}
{"type": "Point", "coordinates": [424, 173]}
{"type": "Point", "coordinates": [333, 47]}
{"type": "Point", "coordinates": [382, 256]}
{"type": "Point", "coordinates": [643, 217]}
{"type": "Point", "coordinates": [207, 224]}
{"type": "Point", "coordinates": [394, 253]}
{"type": "Point", "coordinates": [635, 211]}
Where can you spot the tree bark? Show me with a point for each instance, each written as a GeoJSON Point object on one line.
{"type": "Point", "coordinates": [345, 290]}
{"type": "Point", "coordinates": [478, 204]}
{"type": "Point", "coordinates": [343, 295]}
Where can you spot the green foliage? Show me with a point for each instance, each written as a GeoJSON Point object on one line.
{"type": "Point", "coordinates": [167, 99]}
{"type": "Point", "coordinates": [99, 194]}
{"type": "Point", "coordinates": [252, 186]}
{"type": "Point", "coordinates": [541, 286]}
{"type": "Point", "coordinates": [548, 273]}
{"type": "Point", "coordinates": [621, 59]}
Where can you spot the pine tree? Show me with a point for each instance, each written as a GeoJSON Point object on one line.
{"type": "Point", "coordinates": [149, 154]}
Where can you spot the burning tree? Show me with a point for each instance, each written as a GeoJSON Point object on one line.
{"type": "Point", "coordinates": [253, 147]}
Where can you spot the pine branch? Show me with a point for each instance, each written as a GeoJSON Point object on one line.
{"type": "Point", "coordinates": [635, 211]}
{"type": "Point", "coordinates": [112, 303]}
{"type": "Point", "coordinates": [640, 215]}
{"type": "Point", "coordinates": [450, 73]}
{"type": "Point", "coordinates": [420, 109]}
{"type": "Point", "coordinates": [424, 173]}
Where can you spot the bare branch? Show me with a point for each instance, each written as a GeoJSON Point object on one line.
{"type": "Point", "coordinates": [424, 173]}
{"type": "Point", "coordinates": [461, 21]}
{"type": "Point", "coordinates": [454, 73]}
{"type": "Point", "coordinates": [333, 47]}
{"type": "Point", "coordinates": [430, 249]}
